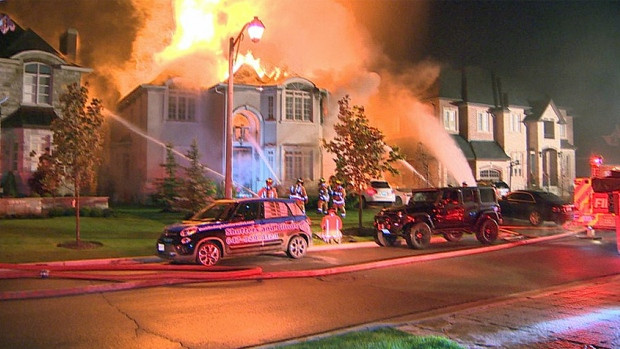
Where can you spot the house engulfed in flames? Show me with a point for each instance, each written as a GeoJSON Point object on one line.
{"type": "Point", "coordinates": [277, 128]}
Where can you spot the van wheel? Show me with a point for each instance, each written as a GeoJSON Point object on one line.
{"type": "Point", "coordinates": [208, 254]}
{"type": "Point", "coordinates": [297, 247]}
{"type": "Point", "coordinates": [398, 201]}
{"type": "Point", "coordinates": [489, 229]}
{"type": "Point", "coordinates": [418, 236]}
{"type": "Point", "coordinates": [453, 237]}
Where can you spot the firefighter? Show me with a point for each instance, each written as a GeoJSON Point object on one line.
{"type": "Point", "coordinates": [298, 193]}
{"type": "Point", "coordinates": [338, 198]}
{"type": "Point", "coordinates": [268, 191]}
{"type": "Point", "coordinates": [323, 202]}
{"type": "Point", "coordinates": [331, 225]}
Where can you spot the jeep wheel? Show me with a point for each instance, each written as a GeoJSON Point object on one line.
{"type": "Point", "coordinates": [535, 218]}
{"type": "Point", "coordinates": [453, 237]}
{"type": "Point", "coordinates": [386, 240]}
{"type": "Point", "coordinates": [418, 236]}
{"type": "Point", "coordinates": [489, 229]}
{"type": "Point", "coordinates": [297, 247]}
{"type": "Point", "coordinates": [208, 254]}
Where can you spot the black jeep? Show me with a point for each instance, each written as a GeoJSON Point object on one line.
{"type": "Point", "coordinates": [449, 211]}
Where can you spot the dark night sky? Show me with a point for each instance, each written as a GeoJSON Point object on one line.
{"type": "Point", "coordinates": [568, 50]}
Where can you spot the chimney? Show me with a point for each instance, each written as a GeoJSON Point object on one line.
{"type": "Point", "coordinates": [69, 44]}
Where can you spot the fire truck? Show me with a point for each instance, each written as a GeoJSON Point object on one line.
{"type": "Point", "coordinates": [594, 195]}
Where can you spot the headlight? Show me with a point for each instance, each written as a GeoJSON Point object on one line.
{"type": "Point", "coordinates": [189, 231]}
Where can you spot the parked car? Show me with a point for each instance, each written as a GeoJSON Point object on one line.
{"type": "Point", "coordinates": [378, 193]}
{"type": "Point", "coordinates": [501, 188]}
{"type": "Point", "coordinates": [235, 227]}
{"type": "Point", "coordinates": [403, 195]}
{"type": "Point", "coordinates": [537, 206]}
{"type": "Point", "coordinates": [450, 211]}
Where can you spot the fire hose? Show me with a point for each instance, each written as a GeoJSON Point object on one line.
{"type": "Point", "coordinates": [153, 275]}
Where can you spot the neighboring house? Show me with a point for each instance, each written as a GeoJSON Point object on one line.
{"type": "Point", "coordinates": [277, 127]}
{"type": "Point", "coordinates": [32, 77]}
{"type": "Point", "coordinates": [527, 144]}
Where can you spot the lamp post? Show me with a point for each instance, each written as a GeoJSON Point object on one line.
{"type": "Point", "coordinates": [255, 30]}
{"type": "Point", "coordinates": [512, 165]}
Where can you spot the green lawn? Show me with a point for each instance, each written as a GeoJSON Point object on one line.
{"type": "Point", "coordinates": [385, 338]}
{"type": "Point", "coordinates": [131, 232]}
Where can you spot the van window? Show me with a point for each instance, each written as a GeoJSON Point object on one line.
{"type": "Point", "coordinates": [274, 209]}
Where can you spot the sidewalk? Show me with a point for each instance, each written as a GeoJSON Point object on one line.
{"type": "Point", "coordinates": [584, 315]}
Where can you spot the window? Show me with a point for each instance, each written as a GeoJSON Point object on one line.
{"type": "Point", "coordinates": [37, 83]}
{"type": "Point", "coordinates": [517, 164]}
{"type": "Point", "coordinates": [549, 129]}
{"type": "Point", "coordinates": [181, 106]}
{"type": "Point", "coordinates": [298, 163]}
{"type": "Point", "coordinates": [449, 119]}
{"type": "Point", "coordinates": [490, 175]}
{"type": "Point", "coordinates": [298, 102]}
{"type": "Point", "coordinates": [563, 131]}
{"type": "Point", "coordinates": [484, 121]}
{"type": "Point", "coordinates": [274, 209]}
{"type": "Point", "coordinates": [515, 123]}
{"type": "Point", "coordinates": [270, 108]}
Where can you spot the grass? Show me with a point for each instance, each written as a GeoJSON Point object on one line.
{"type": "Point", "coordinates": [131, 232]}
{"type": "Point", "coordinates": [388, 338]}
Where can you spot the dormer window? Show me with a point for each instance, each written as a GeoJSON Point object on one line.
{"type": "Point", "coordinates": [37, 83]}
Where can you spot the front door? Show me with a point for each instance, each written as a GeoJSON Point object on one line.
{"type": "Point", "coordinates": [243, 170]}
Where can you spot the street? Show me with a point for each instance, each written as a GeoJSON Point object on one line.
{"type": "Point", "coordinates": [234, 314]}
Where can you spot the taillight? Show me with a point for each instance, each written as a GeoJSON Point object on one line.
{"type": "Point", "coordinates": [371, 191]}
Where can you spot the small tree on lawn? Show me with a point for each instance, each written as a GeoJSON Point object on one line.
{"type": "Point", "coordinates": [169, 186]}
{"type": "Point", "coordinates": [78, 140]}
{"type": "Point", "coordinates": [199, 190]}
{"type": "Point", "coordinates": [359, 149]}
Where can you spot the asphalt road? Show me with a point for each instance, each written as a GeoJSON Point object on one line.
{"type": "Point", "coordinates": [249, 313]}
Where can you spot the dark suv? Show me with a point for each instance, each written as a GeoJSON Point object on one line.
{"type": "Point", "coordinates": [235, 227]}
{"type": "Point", "coordinates": [448, 211]}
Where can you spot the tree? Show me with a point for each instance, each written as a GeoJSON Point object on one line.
{"type": "Point", "coordinates": [77, 143]}
{"type": "Point", "coordinates": [43, 180]}
{"type": "Point", "coordinates": [199, 190]}
{"type": "Point", "coordinates": [168, 187]}
{"type": "Point", "coordinates": [360, 151]}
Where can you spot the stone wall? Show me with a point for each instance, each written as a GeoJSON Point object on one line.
{"type": "Point", "coordinates": [24, 207]}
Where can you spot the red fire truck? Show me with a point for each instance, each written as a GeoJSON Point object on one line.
{"type": "Point", "coordinates": [594, 195]}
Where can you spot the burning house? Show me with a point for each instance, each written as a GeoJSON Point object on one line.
{"type": "Point", "coordinates": [277, 128]}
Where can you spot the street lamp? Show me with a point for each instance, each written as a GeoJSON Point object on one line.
{"type": "Point", "coordinates": [255, 30]}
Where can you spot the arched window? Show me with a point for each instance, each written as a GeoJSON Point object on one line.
{"type": "Point", "coordinates": [490, 175]}
{"type": "Point", "coordinates": [37, 83]}
{"type": "Point", "coordinates": [298, 102]}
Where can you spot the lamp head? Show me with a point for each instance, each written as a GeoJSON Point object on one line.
{"type": "Point", "coordinates": [256, 29]}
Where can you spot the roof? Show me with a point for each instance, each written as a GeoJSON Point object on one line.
{"type": "Point", "coordinates": [488, 150]}
{"type": "Point", "coordinates": [30, 117]}
{"type": "Point", "coordinates": [20, 40]}
{"type": "Point", "coordinates": [539, 107]}
{"type": "Point", "coordinates": [465, 147]}
{"type": "Point", "coordinates": [480, 150]}
{"type": "Point", "coordinates": [565, 144]}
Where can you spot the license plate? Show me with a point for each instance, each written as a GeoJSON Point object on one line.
{"type": "Point", "coordinates": [160, 247]}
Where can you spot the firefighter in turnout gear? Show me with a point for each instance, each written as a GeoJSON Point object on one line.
{"type": "Point", "coordinates": [268, 191]}
{"type": "Point", "coordinates": [323, 202]}
{"type": "Point", "coordinates": [338, 197]}
{"type": "Point", "coordinates": [298, 193]}
{"type": "Point", "coordinates": [331, 225]}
